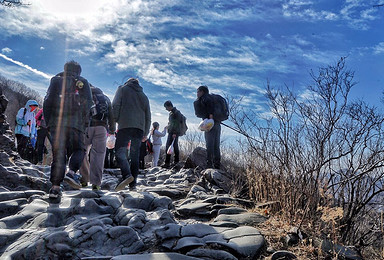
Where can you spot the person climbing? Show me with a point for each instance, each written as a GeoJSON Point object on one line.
{"type": "Point", "coordinates": [174, 123]}
{"type": "Point", "coordinates": [102, 124]}
{"type": "Point", "coordinates": [25, 129]}
{"type": "Point", "coordinates": [132, 112]}
{"type": "Point", "coordinates": [67, 106]}
{"type": "Point", "coordinates": [42, 133]}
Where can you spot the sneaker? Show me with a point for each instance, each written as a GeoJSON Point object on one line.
{"type": "Point", "coordinates": [124, 183]}
{"type": "Point", "coordinates": [54, 193]}
{"type": "Point", "coordinates": [95, 187]}
{"type": "Point", "coordinates": [73, 179]}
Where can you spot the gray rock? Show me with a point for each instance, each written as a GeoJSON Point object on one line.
{"type": "Point", "coordinates": [154, 256]}
{"type": "Point", "coordinates": [231, 211]}
{"type": "Point", "coordinates": [204, 253]}
{"type": "Point", "coordinates": [168, 231]}
{"type": "Point", "coordinates": [246, 219]}
{"type": "Point", "coordinates": [198, 230]}
{"type": "Point", "coordinates": [188, 242]}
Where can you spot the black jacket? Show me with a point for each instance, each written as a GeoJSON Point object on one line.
{"type": "Point", "coordinates": [204, 106]}
{"type": "Point", "coordinates": [56, 100]}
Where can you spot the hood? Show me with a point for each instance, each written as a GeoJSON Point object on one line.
{"type": "Point", "coordinates": [134, 84]}
{"type": "Point", "coordinates": [29, 103]}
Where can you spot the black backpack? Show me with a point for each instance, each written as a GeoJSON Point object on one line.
{"type": "Point", "coordinates": [67, 99]}
{"type": "Point", "coordinates": [221, 112]}
{"type": "Point", "coordinates": [183, 125]}
{"type": "Point", "coordinates": [100, 109]}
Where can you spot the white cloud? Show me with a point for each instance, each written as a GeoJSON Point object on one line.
{"type": "Point", "coordinates": [42, 48]}
{"type": "Point", "coordinates": [6, 50]}
{"type": "Point", "coordinates": [379, 49]}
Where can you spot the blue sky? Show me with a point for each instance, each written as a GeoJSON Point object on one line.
{"type": "Point", "coordinates": [173, 46]}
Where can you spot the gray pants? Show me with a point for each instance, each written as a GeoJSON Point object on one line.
{"type": "Point", "coordinates": [93, 164]}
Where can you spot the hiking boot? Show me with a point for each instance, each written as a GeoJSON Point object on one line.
{"type": "Point", "coordinates": [165, 165]}
{"type": "Point", "coordinates": [124, 183]}
{"type": "Point", "coordinates": [73, 179]}
{"type": "Point", "coordinates": [95, 187]}
{"type": "Point", "coordinates": [132, 187]}
{"type": "Point", "coordinates": [55, 193]}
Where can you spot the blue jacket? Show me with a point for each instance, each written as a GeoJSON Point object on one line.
{"type": "Point", "coordinates": [22, 119]}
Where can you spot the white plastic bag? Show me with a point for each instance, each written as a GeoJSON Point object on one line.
{"type": "Point", "coordinates": [170, 149]}
{"type": "Point", "coordinates": [111, 140]}
{"type": "Point", "coordinates": [206, 125]}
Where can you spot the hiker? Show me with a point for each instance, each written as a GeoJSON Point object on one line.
{"type": "Point", "coordinates": [133, 114]}
{"type": "Point", "coordinates": [42, 133]}
{"type": "Point", "coordinates": [174, 123]}
{"type": "Point", "coordinates": [143, 152]}
{"type": "Point", "coordinates": [66, 111]}
{"type": "Point", "coordinates": [101, 125]}
{"type": "Point", "coordinates": [157, 142]}
{"type": "Point", "coordinates": [25, 129]}
{"type": "Point", "coordinates": [4, 126]}
{"type": "Point", "coordinates": [205, 105]}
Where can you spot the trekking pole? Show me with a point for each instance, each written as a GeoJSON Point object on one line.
{"type": "Point", "coordinates": [241, 132]}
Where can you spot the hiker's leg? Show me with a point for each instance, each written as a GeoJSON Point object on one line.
{"type": "Point", "coordinates": [176, 149]}
{"type": "Point", "coordinates": [216, 145]}
{"type": "Point", "coordinates": [134, 154]}
{"type": "Point", "coordinates": [167, 145]}
{"type": "Point", "coordinates": [58, 156]}
{"type": "Point", "coordinates": [97, 154]}
{"type": "Point", "coordinates": [76, 141]}
{"type": "Point", "coordinates": [122, 140]}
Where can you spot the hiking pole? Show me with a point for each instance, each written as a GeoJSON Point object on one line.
{"type": "Point", "coordinates": [241, 132]}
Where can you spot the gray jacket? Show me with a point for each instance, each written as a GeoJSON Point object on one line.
{"type": "Point", "coordinates": [131, 108]}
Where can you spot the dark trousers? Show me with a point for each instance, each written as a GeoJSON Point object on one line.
{"type": "Point", "coordinates": [109, 158]}
{"type": "Point", "coordinates": [69, 142]}
{"type": "Point", "coordinates": [122, 139]}
{"type": "Point", "coordinates": [42, 133]}
{"type": "Point", "coordinates": [22, 142]}
{"type": "Point", "coordinates": [212, 142]}
{"type": "Point", "coordinates": [175, 149]}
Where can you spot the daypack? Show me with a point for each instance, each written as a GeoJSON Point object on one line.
{"type": "Point", "coordinates": [100, 110]}
{"type": "Point", "coordinates": [221, 112]}
{"type": "Point", "coordinates": [149, 146]}
{"type": "Point", "coordinates": [183, 125]}
{"type": "Point", "coordinates": [71, 98]}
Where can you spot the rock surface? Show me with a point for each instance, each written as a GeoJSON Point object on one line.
{"type": "Point", "coordinates": [174, 214]}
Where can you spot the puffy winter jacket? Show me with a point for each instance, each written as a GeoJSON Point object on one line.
{"type": "Point", "coordinates": [22, 120]}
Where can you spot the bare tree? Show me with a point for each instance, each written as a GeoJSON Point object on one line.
{"type": "Point", "coordinates": [318, 150]}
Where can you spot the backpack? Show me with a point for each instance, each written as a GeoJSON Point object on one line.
{"type": "Point", "coordinates": [71, 97]}
{"type": "Point", "coordinates": [183, 125]}
{"type": "Point", "coordinates": [100, 110]}
{"type": "Point", "coordinates": [149, 146]}
{"type": "Point", "coordinates": [221, 111]}
{"type": "Point", "coordinates": [25, 111]}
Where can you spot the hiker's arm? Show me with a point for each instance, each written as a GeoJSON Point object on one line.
{"type": "Point", "coordinates": [111, 119]}
{"type": "Point", "coordinates": [116, 104]}
{"type": "Point", "coordinates": [147, 119]}
{"type": "Point", "coordinates": [20, 117]}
